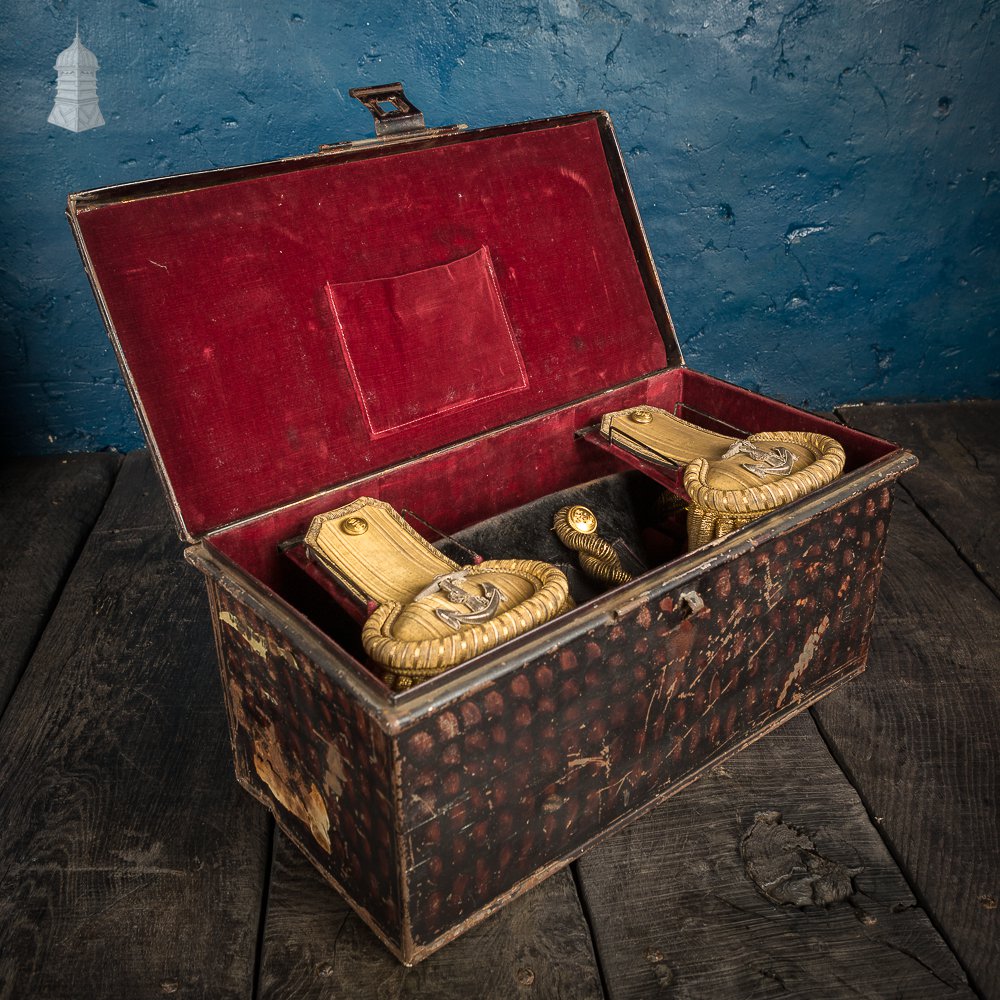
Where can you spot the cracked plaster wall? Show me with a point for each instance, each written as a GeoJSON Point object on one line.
{"type": "Point", "coordinates": [819, 180]}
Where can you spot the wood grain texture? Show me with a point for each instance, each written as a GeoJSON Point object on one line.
{"type": "Point", "coordinates": [315, 947]}
{"type": "Point", "coordinates": [131, 865]}
{"type": "Point", "coordinates": [957, 483]}
{"type": "Point", "coordinates": [47, 508]}
{"type": "Point", "coordinates": [676, 913]}
{"type": "Point", "coordinates": [919, 733]}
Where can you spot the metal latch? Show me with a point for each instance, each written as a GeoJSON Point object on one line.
{"type": "Point", "coordinates": [692, 600]}
{"type": "Point", "coordinates": [392, 111]}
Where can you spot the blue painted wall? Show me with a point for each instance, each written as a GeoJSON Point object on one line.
{"type": "Point", "coordinates": [819, 180]}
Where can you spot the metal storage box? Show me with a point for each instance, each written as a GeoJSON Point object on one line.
{"type": "Point", "coordinates": [428, 809]}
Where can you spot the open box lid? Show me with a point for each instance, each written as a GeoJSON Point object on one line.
{"type": "Point", "coordinates": [288, 326]}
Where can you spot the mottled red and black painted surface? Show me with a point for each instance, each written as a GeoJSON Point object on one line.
{"type": "Point", "coordinates": [530, 769]}
{"type": "Point", "coordinates": [313, 756]}
{"type": "Point", "coordinates": [423, 822]}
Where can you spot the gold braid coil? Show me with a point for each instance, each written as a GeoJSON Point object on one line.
{"type": "Point", "coordinates": [408, 661]}
{"type": "Point", "coordinates": [716, 512]}
{"type": "Point", "coordinates": [597, 557]}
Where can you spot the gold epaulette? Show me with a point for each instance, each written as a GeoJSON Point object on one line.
{"type": "Point", "coordinates": [431, 612]}
{"type": "Point", "coordinates": [730, 481]}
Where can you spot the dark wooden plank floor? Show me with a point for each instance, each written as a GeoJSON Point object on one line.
{"type": "Point", "coordinates": [315, 947]}
{"type": "Point", "coordinates": [672, 905]}
{"type": "Point", "coordinates": [957, 484]}
{"type": "Point", "coordinates": [919, 734]}
{"type": "Point", "coordinates": [132, 866]}
{"type": "Point", "coordinates": [130, 863]}
{"type": "Point", "coordinates": [47, 508]}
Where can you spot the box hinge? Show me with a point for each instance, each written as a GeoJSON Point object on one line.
{"type": "Point", "coordinates": [396, 117]}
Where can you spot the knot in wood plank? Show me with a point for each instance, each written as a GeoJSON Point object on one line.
{"type": "Point", "coordinates": [786, 868]}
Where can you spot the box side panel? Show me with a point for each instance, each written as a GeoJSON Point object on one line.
{"type": "Point", "coordinates": [525, 772]}
{"type": "Point", "coordinates": [314, 757]}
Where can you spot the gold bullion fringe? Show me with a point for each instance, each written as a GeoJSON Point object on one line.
{"type": "Point", "coordinates": [715, 512]}
{"type": "Point", "coordinates": [408, 661]}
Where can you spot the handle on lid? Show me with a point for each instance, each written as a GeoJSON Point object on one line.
{"type": "Point", "coordinates": [392, 110]}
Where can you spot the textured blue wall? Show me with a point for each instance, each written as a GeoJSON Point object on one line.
{"type": "Point", "coordinates": [819, 180]}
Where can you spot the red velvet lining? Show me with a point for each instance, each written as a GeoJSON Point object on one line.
{"type": "Point", "coordinates": [218, 297]}
{"type": "Point", "coordinates": [429, 342]}
{"type": "Point", "coordinates": [465, 484]}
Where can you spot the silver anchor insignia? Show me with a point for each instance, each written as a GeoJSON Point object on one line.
{"type": "Point", "coordinates": [770, 461]}
{"type": "Point", "coordinates": [481, 607]}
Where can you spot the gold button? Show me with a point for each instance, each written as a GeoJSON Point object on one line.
{"type": "Point", "coordinates": [354, 526]}
{"type": "Point", "coordinates": [640, 416]}
{"type": "Point", "coordinates": [582, 519]}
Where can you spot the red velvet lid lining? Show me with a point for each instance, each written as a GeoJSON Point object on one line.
{"type": "Point", "coordinates": [290, 331]}
{"type": "Point", "coordinates": [448, 320]}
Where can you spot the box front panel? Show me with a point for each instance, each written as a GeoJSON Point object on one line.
{"type": "Point", "coordinates": [313, 757]}
{"type": "Point", "coordinates": [524, 773]}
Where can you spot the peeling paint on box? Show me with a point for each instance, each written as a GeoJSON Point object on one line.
{"type": "Point", "coordinates": [808, 651]}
